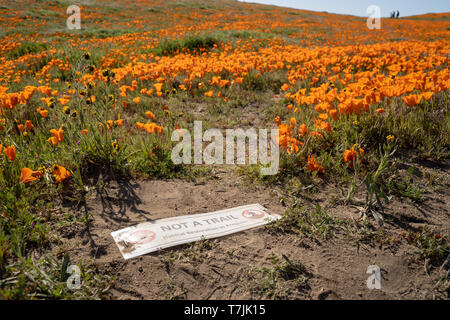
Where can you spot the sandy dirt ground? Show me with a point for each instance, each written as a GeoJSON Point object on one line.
{"type": "Point", "coordinates": [227, 267]}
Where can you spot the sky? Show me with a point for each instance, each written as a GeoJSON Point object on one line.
{"type": "Point", "coordinates": [359, 7]}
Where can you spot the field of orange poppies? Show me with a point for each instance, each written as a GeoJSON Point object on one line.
{"type": "Point", "coordinates": [363, 120]}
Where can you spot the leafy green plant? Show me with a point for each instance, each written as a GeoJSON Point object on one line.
{"type": "Point", "coordinates": [374, 185]}
{"type": "Point", "coordinates": [309, 222]}
{"type": "Point", "coordinates": [356, 164]}
{"type": "Point", "coordinates": [404, 188]}
{"type": "Point", "coordinates": [46, 279]}
{"type": "Point", "coordinates": [430, 245]}
{"type": "Point", "coordinates": [193, 44]}
{"type": "Point", "coordinates": [277, 281]}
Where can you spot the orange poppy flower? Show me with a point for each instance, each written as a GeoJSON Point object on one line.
{"type": "Point", "coordinates": [42, 112]}
{"type": "Point", "coordinates": [294, 145]}
{"type": "Point", "coordinates": [150, 115]}
{"type": "Point", "coordinates": [28, 125]}
{"type": "Point", "coordinates": [316, 134]}
{"type": "Point", "coordinates": [53, 141]}
{"type": "Point", "coordinates": [158, 87]}
{"type": "Point", "coordinates": [427, 95]}
{"type": "Point", "coordinates": [350, 156]}
{"type": "Point", "coordinates": [28, 175]}
{"type": "Point", "coordinates": [412, 99]}
{"type": "Point", "coordinates": [61, 173]}
{"type": "Point", "coordinates": [63, 101]}
{"type": "Point", "coordinates": [292, 123]}
{"type": "Point", "coordinates": [284, 129]}
{"type": "Point", "coordinates": [137, 100]}
{"type": "Point", "coordinates": [303, 130]}
{"type": "Point", "coordinates": [58, 134]}
{"type": "Point", "coordinates": [333, 114]}
{"type": "Point", "coordinates": [149, 127]}
{"type": "Point", "coordinates": [323, 125]}
{"type": "Point", "coordinates": [10, 153]}
{"type": "Point", "coordinates": [312, 165]}
{"type": "Point", "coordinates": [278, 120]}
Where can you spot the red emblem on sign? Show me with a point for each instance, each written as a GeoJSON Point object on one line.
{"type": "Point", "coordinates": [142, 236]}
{"type": "Point", "coordinates": [253, 214]}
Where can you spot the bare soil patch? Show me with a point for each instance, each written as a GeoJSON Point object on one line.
{"type": "Point", "coordinates": [246, 265]}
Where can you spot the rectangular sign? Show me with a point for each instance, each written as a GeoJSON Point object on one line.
{"type": "Point", "coordinates": [156, 235]}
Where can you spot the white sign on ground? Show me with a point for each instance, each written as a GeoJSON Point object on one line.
{"type": "Point", "coordinates": [156, 235]}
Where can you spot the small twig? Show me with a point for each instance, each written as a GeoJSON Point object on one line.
{"type": "Point", "coordinates": [425, 265]}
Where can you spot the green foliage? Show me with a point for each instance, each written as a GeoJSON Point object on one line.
{"type": "Point", "coordinates": [417, 128]}
{"type": "Point", "coordinates": [256, 81]}
{"type": "Point", "coordinates": [433, 246]}
{"type": "Point", "coordinates": [278, 280]}
{"type": "Point", "coordinates": [374, 186]}
{"type": "Point", "coordinates": [154, 160]}
{"type": "Point", "coordinates": [307, 221]}
{"type": "Point", "coordinates": [192, 44]}
{"type": "Point", "coordinates": [404, 187]}
{"type": "Point", "coordinates": [43, 280]}
{"type": "Point", "coordinates": [19, 227]}
{"type": "Point", "coordinates": [26, 48]}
